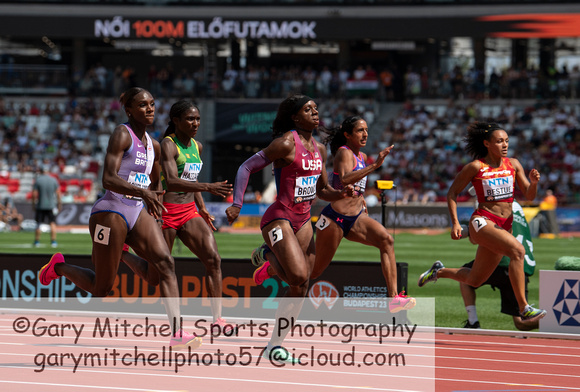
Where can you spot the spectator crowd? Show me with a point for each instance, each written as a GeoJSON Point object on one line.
{"type": "Point", "coordinates": [70, 136]}
{"type": "Point", "coordinates": [389, 83]}
{"type": "Point", "coordinates": [429, 151]}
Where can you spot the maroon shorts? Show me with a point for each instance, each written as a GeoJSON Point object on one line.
{"type": "Point", "coordinates": [178, 214]}
{"type": "Point", "coordinates": [279, 211]}
{"type": "Point", "coordinates": [504, 223]}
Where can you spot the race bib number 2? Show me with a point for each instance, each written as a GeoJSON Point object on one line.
{"type": "Point", "coordinates": [275, 235]}
{"type": "Point", "coordinates": [478, 223]}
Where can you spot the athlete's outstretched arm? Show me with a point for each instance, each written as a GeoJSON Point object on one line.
{"type": "Point", "coordinates": [459, 183]}
{"type": "Point", "coordinates": [169, 156]}
{"type": "Point", "coordinates": [323, 188]}
{"type": "Point", "coordinates": [528, 187]}
{"type": "Point", "coordinates": [343, 165]}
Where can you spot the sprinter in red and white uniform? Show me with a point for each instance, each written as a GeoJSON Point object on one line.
{"type": "Point", "coordinates": [493, 176]}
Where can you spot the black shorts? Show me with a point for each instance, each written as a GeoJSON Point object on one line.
{"type": "Point", "coordinates": [500, 279]}
{"type": "Point", "coordinates": [345, 222]}
{"type": "Point", "coordinates": [44, 216]}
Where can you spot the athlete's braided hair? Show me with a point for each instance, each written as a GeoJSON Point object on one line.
{"type": "Point", "coordinates": [476, 134]}
{"type": "Point", "coordinates": [336, 138]}
{"type": "Point", "coordinates": [289, 107]}
{"type": "Point", "coordinates": [177, 109]}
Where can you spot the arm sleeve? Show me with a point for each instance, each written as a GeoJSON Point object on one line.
{"type": "Point", "coordinates": [255, 163]}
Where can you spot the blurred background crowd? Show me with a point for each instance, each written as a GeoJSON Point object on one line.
{"type": "Point", "coordinates": [424, 116]}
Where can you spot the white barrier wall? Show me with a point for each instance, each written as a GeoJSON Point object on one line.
{"type": "Point", "coordinates": [560, 296]}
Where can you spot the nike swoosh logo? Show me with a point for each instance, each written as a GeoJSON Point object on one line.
{"type": "Point", "coordinates": [305, 154]}
{"type": "Point", "coordinates": [139, 145]}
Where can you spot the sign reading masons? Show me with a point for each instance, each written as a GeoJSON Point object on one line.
{"type": "Point", "coordinates": [217, 28]}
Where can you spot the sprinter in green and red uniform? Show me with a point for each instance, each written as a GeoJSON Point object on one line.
{"type": "Point", "coordinates": [186, 215]}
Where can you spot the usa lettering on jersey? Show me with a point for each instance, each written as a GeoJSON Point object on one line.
{"type": "Point", "coordinates": [311, 164]}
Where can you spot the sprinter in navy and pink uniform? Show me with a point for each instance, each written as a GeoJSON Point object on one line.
{"type": "Point", "coordinates": [349, 218]}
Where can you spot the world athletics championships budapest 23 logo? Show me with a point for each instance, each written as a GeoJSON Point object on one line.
{"type": "Point", "coordinates": [323, 292]}
{"type": "Point", "coordinates": [567, 304]}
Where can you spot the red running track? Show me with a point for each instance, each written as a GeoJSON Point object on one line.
{"type": "Point", "coordinates": [499, 363]}
{"type": "Point", "coordinates": [434, 362]}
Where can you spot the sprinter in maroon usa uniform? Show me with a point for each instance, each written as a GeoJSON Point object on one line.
{"type": "Point", "coordinates": [300, 173]}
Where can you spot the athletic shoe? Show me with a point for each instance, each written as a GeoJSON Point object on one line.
{"type": "Point", "coordinates": [37, 244]}
{"type": "Point", "coordinates": [261, 273]}
{"type": "Point", "coordinates": [221, 322]}
{"type": "Point", "coordinates": [475, 325]}
{"type": "Point", "coordinates": [280, 355]}
{"type": "Point", "coordinates": [431, 274]}
{"type": "Point", "coordinates": [53, 244]}
{"type": "Point", "coordinates": [258, 257]}
{"type": "Point", "coordinates": [183, 339]}
{"type": "Point", "coordinates": [401, 302]}
{"type": "Point", "coordinates": [532, 314]}
{"type": "Point", "coordinates": [47, 273]}
{"type": "Point", "coordinates": [225, 328]}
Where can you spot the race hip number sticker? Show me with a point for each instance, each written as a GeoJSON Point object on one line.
{"type": "Point", "coordinates": [323, 222]}
{"type": "Point", "coordinates": [478, 223]}
{"type": "Point", "coordinates": [102, 234]}
{"type": "Point", "coordinates": [275, 235]}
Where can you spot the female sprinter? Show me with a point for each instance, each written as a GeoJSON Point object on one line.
{"type": "Point", "coordinates": [186, 216]}
{"type": "Point", "coordinates": [493, 176]}
{"type": "Point", "coordinates": [348, 218]}
{"type": "Point", "coordinates": [299, 168]}
{"type": "Point", "coordinates": [131, 178]}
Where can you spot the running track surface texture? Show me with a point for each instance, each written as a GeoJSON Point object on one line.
{"type": "Point", "coordinates": [439, 360]}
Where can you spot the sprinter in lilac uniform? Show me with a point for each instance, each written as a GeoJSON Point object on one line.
{"type": "Point", "coordinates": [131, 179]}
